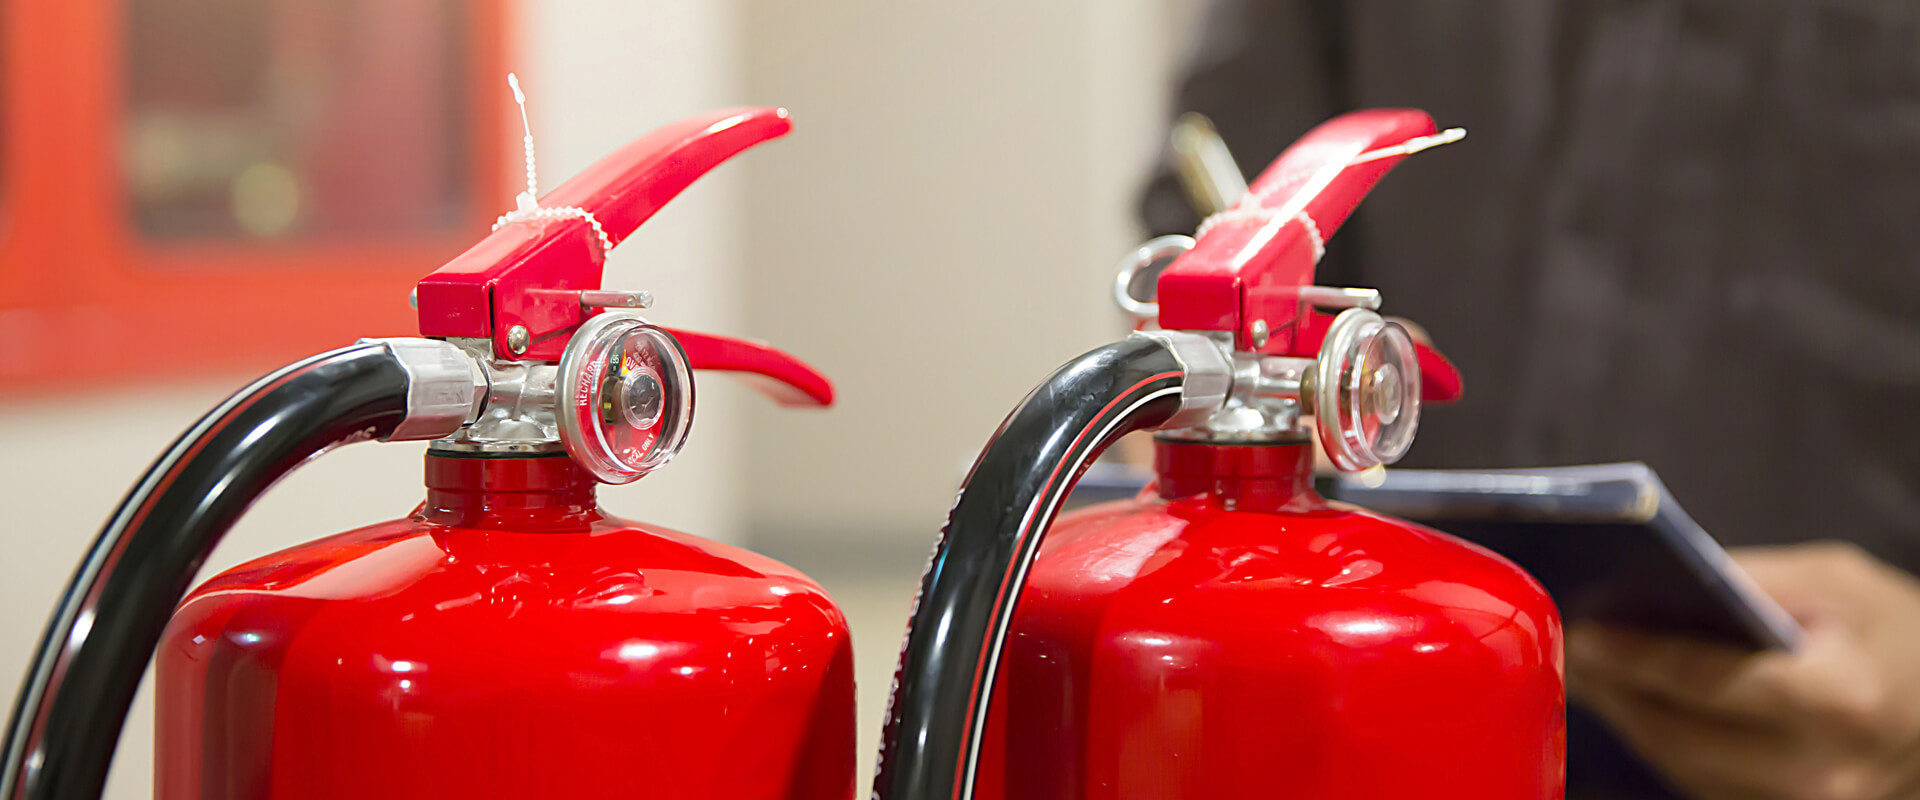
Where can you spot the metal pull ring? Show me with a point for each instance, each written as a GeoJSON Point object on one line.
{"type": "Point", "coordinates": [1142, 257]}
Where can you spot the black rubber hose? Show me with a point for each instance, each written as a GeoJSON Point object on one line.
{"type": "Point", "coordinates": [73, 704]}
{"type": "Point", "coordinates": [931, 740]}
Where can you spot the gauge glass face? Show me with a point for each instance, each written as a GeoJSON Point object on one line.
{"type": "Point", "coordinates": [631, 399]}
{"type": "Point", "coordinates": [1385, 411]}
{"type": "Point", "coordinates": [1373, 406]}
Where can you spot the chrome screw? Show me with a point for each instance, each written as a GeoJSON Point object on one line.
{"type": "Point", "coordinates": [1260, 333]}
{"type": "Point", "coordinates": [517, 339]}
{"type": "Point", "coordinates": [608, 299]}
{"type": "Point", "coordinates": [1340, 297]}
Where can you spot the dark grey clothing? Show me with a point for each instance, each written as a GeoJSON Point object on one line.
{"type": "Point", "coordinates": [1679, 231]}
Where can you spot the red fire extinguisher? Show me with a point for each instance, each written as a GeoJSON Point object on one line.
{"type": "Point", "coordinates": [508, 639]}
{"type": "Point", "coordinates": [1228, 633]}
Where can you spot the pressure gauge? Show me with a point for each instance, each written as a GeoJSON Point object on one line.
{"type": "Point", "coordinates": [625, 395]}
{"type": "Point", "coordinates": [1366, 391]}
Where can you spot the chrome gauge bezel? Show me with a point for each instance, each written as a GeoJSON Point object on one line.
{"type": "Point", "coordinates": [578, 382]}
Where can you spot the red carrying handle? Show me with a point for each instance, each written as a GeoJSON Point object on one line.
{"type": "Point", "coordinates": [1248, 265]}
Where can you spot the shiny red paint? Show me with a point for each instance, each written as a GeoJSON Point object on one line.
{"type": "Point", "coordinates": [1231, 634]}
{"type": "Point", "coordinates": [530, 273]}
{"type": "Point", "coordinates": [784, 379]}
{"type": "Point", "coordinates": [507, 640]}
{"type": "Point", "coordinates": [1251, 264]}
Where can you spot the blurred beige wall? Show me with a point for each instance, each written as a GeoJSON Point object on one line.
{"type": "Point", "coordinates": [938, 235]}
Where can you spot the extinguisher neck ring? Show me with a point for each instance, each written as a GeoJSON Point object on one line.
{"type": "Point", "coordinates": [509, 491]}
{"type": "Point", "coordinates": [1265, 477]}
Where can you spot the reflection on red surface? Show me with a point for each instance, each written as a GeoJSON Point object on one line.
{"type": "Point", "coordinates": [1286, 647]}
{"type": "Point", "coordinates": [509, 640]}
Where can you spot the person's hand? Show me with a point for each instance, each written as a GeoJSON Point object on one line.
{"type": "Point", "coordinates": [1838, 719]}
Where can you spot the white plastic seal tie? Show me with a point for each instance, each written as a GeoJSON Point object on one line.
{"type": "Point", "coordinates": [1250, 208]}
{"type": "Point", "coordinates": [526, 206]}
{"type": "Point", "coordinates": [1239, 214]}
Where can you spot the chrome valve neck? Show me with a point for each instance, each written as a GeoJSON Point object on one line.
{"type": "Point", "coordinates": [1265, 404]}
{"type": "Point", "coordinates": [519, 413]}
{"type": "Point", "coordinates": [1360, 395]}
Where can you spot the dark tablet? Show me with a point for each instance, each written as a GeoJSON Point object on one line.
{"type": "Point", "coordinates": [1607, 541]}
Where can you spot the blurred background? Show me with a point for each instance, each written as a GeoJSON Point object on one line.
{"type": "Point", "coordinates": [196, 191]}
{"type": "Point", "coordinates": [1679, 234]}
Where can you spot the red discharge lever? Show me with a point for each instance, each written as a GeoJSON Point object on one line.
{"type": "Point", "coordinates": [530, 285]}
{"type": "Point", "coordinates": [1250, 269]}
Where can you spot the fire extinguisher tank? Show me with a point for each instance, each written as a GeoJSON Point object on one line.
{"type": "Point", "coordinates": [508, 639]}
{"type": "Point", "coordinates": [1230, 633]}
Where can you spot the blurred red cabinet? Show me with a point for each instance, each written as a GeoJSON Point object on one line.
{"type": "Point", "coordinates": [192, 185]}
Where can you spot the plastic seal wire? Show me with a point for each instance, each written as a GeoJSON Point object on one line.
{"type": "Point", "coordinates": [527, 206]}
{"type": "Point", "coordinates": [1251, 206]}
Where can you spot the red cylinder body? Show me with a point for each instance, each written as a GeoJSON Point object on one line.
{"type": "Point", "coordinates": [1231, 634]}
{"type": "Point", "coordinates": [507, 640]}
